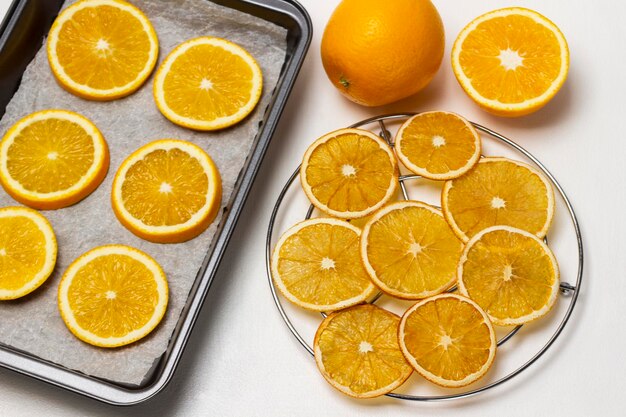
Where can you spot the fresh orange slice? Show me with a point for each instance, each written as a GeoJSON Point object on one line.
{"type": "Point", "coordinates": [510, 273]}
{"type": "Point", "coordinates": [438, 145]}
{"type": "Point", "coordinates": [167, 191]}
{"type": "Point", "coordinates": [349, 173]}
{"type": "Point", "coordinates": [102, 49]}
{"type": "Point", "coordinates": [28, 251]}
{"type": "Point", "coordinates": [498, 191]}
{"type": "Point", "coordinates": [511, 61]}
{"type": "Point", "coordinates": [357, 351]}
{"type": "Point", "coordinates": [448, 339]}
{"type": "Point", "coordinates": [207, 84]}
{"type": "Point", "coordinates": [316, 264]}
{"type": "Point", "coordinates": [52, 159]}
{"type": "Point", "coordinates": [112, 295]}
{"type": "Point", "coordinates": [410, 251]}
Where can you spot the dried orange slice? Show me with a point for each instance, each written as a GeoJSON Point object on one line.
{"type": "Point", "coordinates": [498, 191]}
{"type": "Point", "coordinates": [448, 339]}
{"type": "Point", "coordinates": [167, 191]}
{"type": "Point", "coordinates": [102, 49]}
{"type": "Point", "coordinates": [410, 251]}
{"type": "Point", "coordinates": [357, 351]}
{"type": "Point", "coordinates": [510, 273]}
{"type": "Point", "coordinates": [511, 61]}
{"type": "Point", "coordinates": [316, 264]}
{"type": "Point", "coordinates": [28, 251]}
{"type": "Point", "coordinates": [349, 173]}
{"type": "Point", "coordinates": [112, 295]}
{"type": "Point", "coordinates": [52, 159]}
{"type": "Point", "coordinates": [438, 145]}
{"type": "Point", "coordinates": [207, 84]}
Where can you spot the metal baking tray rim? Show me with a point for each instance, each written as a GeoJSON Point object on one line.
{"type": "Point", "coordinates": [289, 14]}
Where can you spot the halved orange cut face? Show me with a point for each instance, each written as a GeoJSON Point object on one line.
{"type": "Point", "coordinates": [410, 251]}
{"type": "Point", "coordinates": [498, 191]}
{"type": "Point", "coordinates": [448, 339]}
{"type": "Point", "coordinates": [102, 49]}
{"type": "Point", "coordinates": [349, 173]}
{"type": "Point", "coordinates": [510, 273]}
{"type": "Point", "coordinates": [511, 61]}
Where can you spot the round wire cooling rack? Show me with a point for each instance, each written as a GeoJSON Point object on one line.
{"type": "Point", "coordinates": [568, 290]}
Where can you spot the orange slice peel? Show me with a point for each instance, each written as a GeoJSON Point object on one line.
{"type": "Point", "coordinates": [511, 273]}
{"type": "Point", "coordinates": [208, 83]}
{"type": "Point", "coordinates": [409, 250]}
{"type": "Point", "coordinates": [357, 352]}
{"type": "Point", "coordinates": [498, 191]}
{"type": "Point", "coordinates": [168, 191]}
{"type": "Point", "coordinates": [448, 339]}
{"type": "Point", "coordinates": [96, 59]}
{"type": "Point", "coordinates": [112, 296]}
{"type": "Point", "coordinates": [28, 251]}
{"type": "Point", "coordinates": [349, 173]}
{"type": "Point", "coordinates": [438, 145]}
{"type": "Point", "coordinates": [52, 159]}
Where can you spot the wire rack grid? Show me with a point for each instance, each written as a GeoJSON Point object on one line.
{"type": "Point", "coordinates": [567, 289]}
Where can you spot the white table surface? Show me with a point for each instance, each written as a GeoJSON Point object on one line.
{"type": "Point", "coordinates": [4, 6]}
{"type": "Point", "coordinates": [242, 361]}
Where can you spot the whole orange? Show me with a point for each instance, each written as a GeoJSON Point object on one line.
{"type": "Point", "coordinates": [380, 51]}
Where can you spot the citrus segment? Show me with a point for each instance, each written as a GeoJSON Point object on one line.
{"type": "Point", "coordinates": [52, 159]}
{"type": "Point", "coordinates": [102, 49]}
{"type": "Point", "coordinates": [28, 251]}
{"type": "Point", "coordinates": [316, 265]}
{"type": "Point", "coordinates": [409, 250]}
{"type": "Point", "coordinates": [438, 145]}
{"type": "Point", "coordinates": [511, 61]}
{"type": "Point", "coordinates": [207, 84]}
{"type": "Point", "coordinates": [448, 339]}
{"type": "Point", "coordinates": [498, 191]}
{"type": "Point", "coordinates": [113, 295]}
{"type": "Point", "coordinates": [167, 191]}
{"type": "Point", "coordinates": [349, 173]}
{"type": "Point", "coordinates": [511, 273]}
{"type": "Point", "coordinates": [357, 351]}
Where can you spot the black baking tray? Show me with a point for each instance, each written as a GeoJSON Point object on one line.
{"type": "Point", "coordinates": [22, 32]}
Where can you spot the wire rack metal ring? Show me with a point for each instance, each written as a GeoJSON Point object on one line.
{"type": "Point", "coordinates": [567, 289]}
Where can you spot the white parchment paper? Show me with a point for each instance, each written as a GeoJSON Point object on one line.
{"type": "Point", "coordinates": [33, 324]}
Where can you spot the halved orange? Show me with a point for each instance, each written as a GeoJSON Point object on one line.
{"type": "Point", "coordinates": [28, 251]}
{"type": "Point", "coordinates": [511, 61]}
{"type": "Point", "coordinates": [316, 264]}
{"type": "Point", "coordinates": [410, 251]}
{"type": "Point", "coordinates": [510, 273]}
{"type": "Point", "coordinates": [448, 339]}
{"type": "Point", "coordinates": [102, 49]}
{"type": "Point", "coordinates": [167, 191]}
{"type": "Point", "coordinates": [357, 351]}
{"type": "Point", "coordinates": [112, 295]}
{"type": "Point", "coordinates": [349, 173]}
{"type": "Point", "coordinates": [498, 191]}
{"type": "Point", "coordinates": [207, 84]}
{"type": "Point", "coordinates": [438, 145]}
{"type": "Point", "coordinates": [52, 159]}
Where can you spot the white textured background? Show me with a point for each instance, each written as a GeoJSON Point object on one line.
{"type": "Point", "coordinates": [241, 360]}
